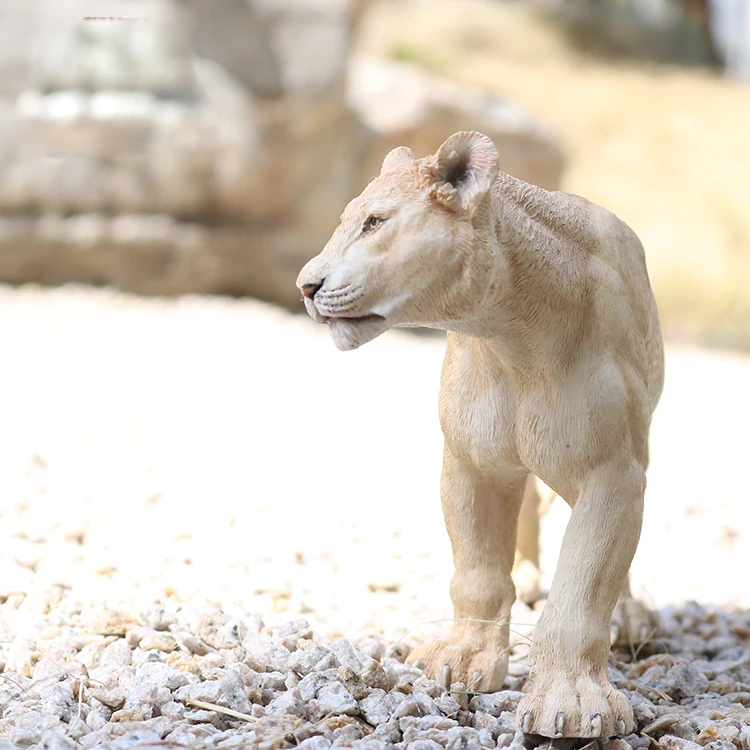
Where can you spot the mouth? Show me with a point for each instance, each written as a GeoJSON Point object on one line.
{"type": "Point", "coordinates": [350, 333]}
{"type": "Point", "coordinates": [355, 320]}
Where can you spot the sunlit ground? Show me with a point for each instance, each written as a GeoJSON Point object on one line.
{"type": "Point", "coordinates": [209, 450]}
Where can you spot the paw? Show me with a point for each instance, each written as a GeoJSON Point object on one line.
{"type": "Point", "coordinates": [526, 579]}
{"type": "Point", "coordinates": [632, 623]}
{"type": "Point", "coordinates": [568, 706]}
{"type": "Point", "coordinates": [480, 668]}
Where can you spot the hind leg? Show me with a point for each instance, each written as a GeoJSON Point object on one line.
{"type": "Point", "coordinates": [526, 567]}
{"type": "Point", "coordinates": [633, 623]}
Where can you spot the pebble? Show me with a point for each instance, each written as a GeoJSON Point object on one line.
{"type": "Point", "coordinates": [121, 682]}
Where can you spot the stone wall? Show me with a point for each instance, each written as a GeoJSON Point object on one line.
{"type": "Point", "coordinates": [210, 147]}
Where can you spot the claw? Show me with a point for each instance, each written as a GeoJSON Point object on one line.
{"type": "Point", "coordinates": [596, 725]}
{"type": "Point", "coordinates": [526, 722]}
{"type": "Point", "coordinates": [447, 676]}
{"type": "Point", "coordinates": [620, 727]}
{"type": "Point", "coordinates": [559, 724]}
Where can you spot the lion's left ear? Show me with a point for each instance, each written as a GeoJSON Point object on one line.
{"type": "Point", "coordinates": [468, 163]}
{"type": "Point", "coordinates": [397, 158]}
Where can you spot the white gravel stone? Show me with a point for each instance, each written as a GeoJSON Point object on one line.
{"type": "Point", "coordinates": [334, 698]}
{"type": "Point", "coordinates": [58, 700]}
{"type": "Point", "coordinates": [315, 743]}
{"type": "Point", "coordinates": [313, 658]}
{"type": "Point", "coordinates": [495, 703]}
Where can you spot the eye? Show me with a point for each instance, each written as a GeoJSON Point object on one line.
{"type": "Point", "coordinates": [372, 222]}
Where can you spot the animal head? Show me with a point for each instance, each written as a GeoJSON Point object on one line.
{"type": "Point", "coordinates": [412, 249]}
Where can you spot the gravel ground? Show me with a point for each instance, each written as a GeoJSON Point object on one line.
{"type": "Point", "coordinates": [174, 470]}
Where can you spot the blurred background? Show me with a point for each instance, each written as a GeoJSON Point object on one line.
{"type": "Point", "coordinates": [173, 428]}
{"type": "Point", "coordinates": [198, 146]}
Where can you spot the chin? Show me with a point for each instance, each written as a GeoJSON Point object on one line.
{"type": "Point", "coordinates": [351, 333]}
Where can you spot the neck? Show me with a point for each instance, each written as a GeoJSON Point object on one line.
{"type": "Point", "coordinates": [531, 237]}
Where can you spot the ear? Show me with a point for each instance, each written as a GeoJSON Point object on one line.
{"type": "Point", "coordinates": [463, 170]}
{"type": "Point", "coordinates": [399, 157]}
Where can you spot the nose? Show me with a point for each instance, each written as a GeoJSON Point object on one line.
{"type": "Point", "coordinates": [310, 290]}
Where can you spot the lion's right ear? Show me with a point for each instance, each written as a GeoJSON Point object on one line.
{"type": "Point", "coordinates": [399, 157]}
{"type": "Point", "coordinates": [462, 171]}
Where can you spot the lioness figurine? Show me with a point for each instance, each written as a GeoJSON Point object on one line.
{"type": "Point", "coordinates": [553, 368]}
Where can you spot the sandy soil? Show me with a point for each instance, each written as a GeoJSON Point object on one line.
{"type": "Point", "coordinates": [223, 451]}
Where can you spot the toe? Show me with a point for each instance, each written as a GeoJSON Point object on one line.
{"type": "Point", "coordinates": [527, 722]}
{"type": "Point", "coordinates": [560, 725]}
{"type": "Point", "coordinates": [446, 676]}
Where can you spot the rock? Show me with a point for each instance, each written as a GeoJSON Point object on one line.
{"type": "Point", "coordinates": [375, 676]}
{"type": "Point", "coordinates": [347, 735]}
{"type": "Point", "coordinates": [288, 703]}
{"type": "Point", "coordinates": [446, 704]}
{"type": "Point", "coordinates": [114, 698]}
{"type": "Point", "coordinates": [315, 743]}
{"type": "Point", "coordinates": [159, 641]}
{"type": "Point", "coordinates": [423, 110]}
{"type": "Point", "coordinates": [58, 700]}
{"type": "Point", "coordinates": [685, 681]}
{"type": "Point", "coordinates": [212, 151]}
{"type": "Point", "coordinates": [234, 693]}
{"type": "Point", "coordinates": [485, 738]}
{"type": "Point", "coordinates": [332, 698]}
{"type": "Point", "coordinates": [492, 724]}
{"type": "Point", "coordinates": [117, 653]}
{"type": "Point", "coordinates": [311, 684]}
{"type": "Point", "coordinates": [135, 635]}
{"type": "Point", "coordinates": [398, 651]}
{"type": "Point", "coordinates": [139, 702]}
{"type": "Point", "coordinates": [194, 644]}
{"type": "Point", "coordinates": [427, 727]}
{"type": "Point", "coordinates": [110, 622]}
{"type": "Point", "coordinates": [371, 647]}
{"type": "Point", "coordinates": [670, 742]}
{"type": "Point", "coordinates": [388, 732]}
{"type": "Point", "coordinates": [495, 703]}
{"type": "Point", "coordinates": [276, 680]}
{"type": "Point", "coordinates": [140, 738]}
{"type": "Point", "coordinates": [353, 683]}
{"type": "Point", "coordinates": [209, 692]}
{"type": "Point", "coordinates": [162, 675]}
{"type": "Point", "coordinates": [312, 658]}
{"type": "Point", "coordinates": [173, 711]}
{"type": "Point", "coordinates": [377, 707]}
{"type": "Point", "coordinates": [346, 656]}
{"type": "Point", "coordinates": [22, 657]}
{"type": "Point", "coordinates": [291, 632]}
{"type": "Point", "coordinates": [56, 740]}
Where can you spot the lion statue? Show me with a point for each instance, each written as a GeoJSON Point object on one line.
{"type": "Point", "coordinates": [553, 368]}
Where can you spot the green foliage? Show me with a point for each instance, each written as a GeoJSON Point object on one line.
{"type": "Point", "coordinates": [425, 57]}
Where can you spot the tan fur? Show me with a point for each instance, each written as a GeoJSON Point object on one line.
{"type": "Point", "coordinates": [553, 368]}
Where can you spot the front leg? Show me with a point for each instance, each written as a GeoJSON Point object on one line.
{"type": "Point", "coordinates": [481, 515]}
{"type": "Point", "coordinates": [572, 696]}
